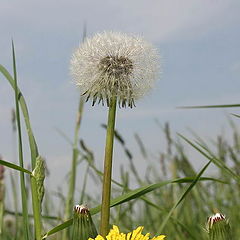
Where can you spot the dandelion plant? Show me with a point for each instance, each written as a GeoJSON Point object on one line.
{"type": "Point", "coordinates": [113, 68]}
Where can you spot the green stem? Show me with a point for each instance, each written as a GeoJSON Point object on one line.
{"type": "Point", "coordinates": [36, 209]}
{"type": "Point", "coordinates": [20, 152]}
{"type": "Point", "coordinates": [72, 181]}
{"type": "Point", "coordinates": [71, 189]}
{"type": "Point", "coordinates": [2, 193]}
{"type": "Point", "coordinates": [23, 105]}
{"type": "Point", "coordinates": [106, 191]}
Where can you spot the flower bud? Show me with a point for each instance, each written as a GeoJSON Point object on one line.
{"type": "Point", "coordinates": [218, 227]}
{"type": "Point", "coordinates": [83, 226]}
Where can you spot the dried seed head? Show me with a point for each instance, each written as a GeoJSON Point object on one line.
{"type": "Point", "coordinates": [115, 64]}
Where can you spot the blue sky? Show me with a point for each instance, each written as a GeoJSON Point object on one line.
{"type": "Point", "coordinates": [199, 46]}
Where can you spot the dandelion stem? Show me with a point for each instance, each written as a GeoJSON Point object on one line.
{"type": "Point", "coordinates": [106, 190]}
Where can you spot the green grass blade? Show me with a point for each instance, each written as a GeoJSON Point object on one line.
{"type": "Point", "coordinates": [32, 142]}
{"type": "Point", "coordinates": [14, 166]}
{"type": "Point", "coordinates": [235, 115]}
{"type": "Point", "coordinates": [72, 180]}
{"type": "Point", "coordinates": [15, 203]}
{"type": "Point", "coordinates": [58, 228]}
{"type": "Point", "coordinates": [84, 186]}
{"type": "Point", "coordinates": [2, 205]}
{"type": "Point", "coordinates": [183, 196]}
{"type": "Point", "coordinates": [214, 160]}
{"type": "Point", "coordinates": [130, 196]}
{"type": "Point", "coordinates": [31, 215]}
{"type": "Point", "coordinates": [36, 206]}
{"type": "Point", "coordinates": [20, 152]}
{"type": "Point", "coordinates": [137, 193]}
{"type": "Point", "coordinates": [211, 106]}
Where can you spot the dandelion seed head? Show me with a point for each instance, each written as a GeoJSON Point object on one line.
{"type": "Point", "coordinates": [115, 64]}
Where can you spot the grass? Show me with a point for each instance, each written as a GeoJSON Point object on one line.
{"type": "Point", "coordinates": [172, 198]}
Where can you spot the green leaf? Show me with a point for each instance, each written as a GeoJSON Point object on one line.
{"type": "Point", "coordinates": [235, 115]}
{"type": "Point", "coordinates": [15, 167]}
{"type": "Point", "coordinates": [130, 196]}
{"type": "Point", "coordinates": [58, 228]}
{"type": "Point", "coordinates": [31, 215]}
{"type": "Point", "coordinates": [211, 106]}
{"type": "Point", "coordinates": [20, 152]}
{"type": "Point", "coordinates": [212, 158]}
{"type": "Point", "coordinates": [183, 196]}
{"type": "Point", "coordinates": [32, 142]}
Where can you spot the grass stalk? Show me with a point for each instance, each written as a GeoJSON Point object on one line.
{"type": "Point", "coordinates": [35, 200]}
{"type": "Point", "coordinates": [72, 181]}
{"type": "Point", "coordinates": [20, 153]}
{"type": "Point", "coordinates": [23, 105]}
{"type": "Point", "coordinates": [71, 189]}
{"type": "Point", "coordinates": [106, 190]}
{"type": "Point", "coordinates": [36, 209]}
{"type": "Point", "coordinates": [83, 192]}
{"type": "Point", "coordinates": [15, 202]}
{"type": "Point", "coordinates": [2, 195]}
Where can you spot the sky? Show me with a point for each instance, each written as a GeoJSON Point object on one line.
{"type": "Point", "coordinates": [198, 42]}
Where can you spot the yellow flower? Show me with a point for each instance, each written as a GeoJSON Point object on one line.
{"type": "Point", "coordinates": [136, 234]}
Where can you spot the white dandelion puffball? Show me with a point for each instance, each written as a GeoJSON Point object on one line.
{"type": "Point", "coordinates": [115, 64]}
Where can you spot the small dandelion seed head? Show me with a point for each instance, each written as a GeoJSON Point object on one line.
{"type": "Point", "coordinates": [115, 64]}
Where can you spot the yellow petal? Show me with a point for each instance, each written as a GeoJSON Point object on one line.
{"type": "Point", "coordinates": [115, 228]}
{"type": "Point", "coordinates": [161, 237]}
{"type": "Point", "coordinates": [136, 233]}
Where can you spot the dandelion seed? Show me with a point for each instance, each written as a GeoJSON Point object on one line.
{"type": "Point", "coordinates": [115, 64]}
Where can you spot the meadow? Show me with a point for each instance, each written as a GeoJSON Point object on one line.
{"type": "Point", "coordinates": [171, 198]}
